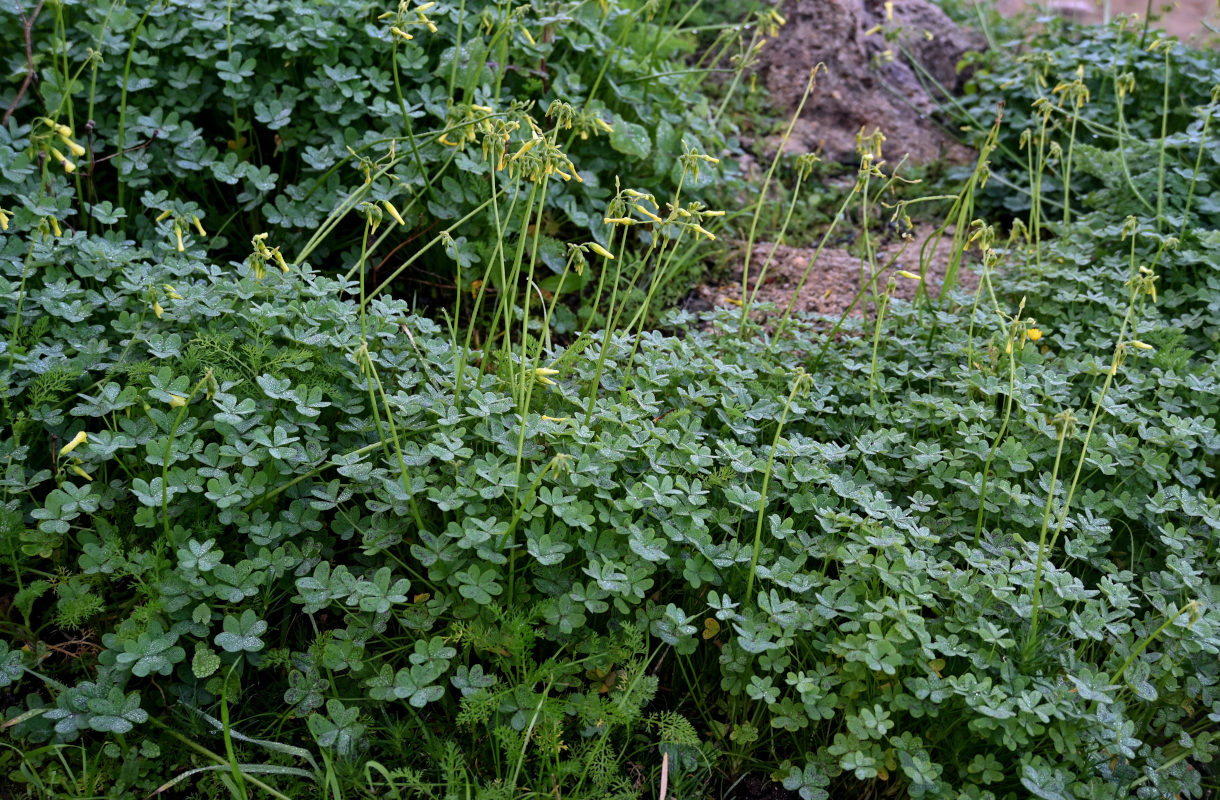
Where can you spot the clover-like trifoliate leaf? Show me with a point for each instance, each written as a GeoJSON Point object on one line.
{"type": "Point", "coordinates": [205, 661]}
{"type": "Point", "coordinates": [242, 635]}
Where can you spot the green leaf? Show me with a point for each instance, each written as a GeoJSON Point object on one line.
{"type": "Point", "coordinates": [630, 139]}
{"type": "Point", "coordinates": [241, 635]}
{"type": "Point", "coordinates": [205, 662]}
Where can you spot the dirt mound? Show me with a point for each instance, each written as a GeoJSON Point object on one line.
{"type": "Point", "coordinates": [870, 83]}
{"type": "Point", "coordinates": [834, 280]}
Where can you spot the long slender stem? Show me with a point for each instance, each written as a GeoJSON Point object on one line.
{"type": "Point", "coordinates": [762, 501]}
{"type": "Point", "coordinates": [1042, 549]}
{"type": "Point", "coordinates": [762, 199]}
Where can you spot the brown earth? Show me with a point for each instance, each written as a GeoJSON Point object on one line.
{"type": "Point", "coordinates": [834, 281]}
{"type": "Point", "coordinates": [1182, 18]}
{"type": "Point", "coordinates": [867, 84]}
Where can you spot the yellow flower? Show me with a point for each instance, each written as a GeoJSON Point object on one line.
{"type": "Point", "coordinates": [68, 166]}
{"type": "Point", "coordinates": [646, 213]}
{"type": "Point", "coordinates": [76, 149]}
{"type": "Point", "coordinates": [393, 212]}
{"type": "Point", "coordinates": [3, 220]}
{"type": "Point", "coordinates": [55, 226]}
{"type": "Point", "coordinates": [601, 251]}
{"type": "Point", "coordinates": [164, 215]}
{"type": "Point", "coordinates": [401, 34]}
{"type": "Point", "coordinates": [75, 468]}
{"type": "Point", "coordinates": [177, 400]}
{"type": "Point", "coordinates": [198, 226]}
{"type": "Point", "coordinates": [1034, 334]}
{"type": "Point", "coordinates": [178, 234]}
{"type": "Point", "coordinates": [76, 442]}
{"type": "Point", "coordinates": [158, 310]}
{"type": "Point", "coordinates": [525, 148]}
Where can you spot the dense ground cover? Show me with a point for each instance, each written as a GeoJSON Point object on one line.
{"type": "Point", "coordinates": [279, 517]}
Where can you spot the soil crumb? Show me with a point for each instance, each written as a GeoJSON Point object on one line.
{"type": "Point", "coordinates": [834, 280]}
{"type": "Point", "coordinates": [868, 84]}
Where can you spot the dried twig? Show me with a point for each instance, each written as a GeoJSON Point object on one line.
{"type": "Point", "coordinates": [28, 28]}
{"type": "Point", "coordinates": [131, 149]}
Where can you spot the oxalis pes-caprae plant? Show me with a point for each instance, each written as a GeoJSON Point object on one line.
{"type": "Point", "coordinates": [271, 530]}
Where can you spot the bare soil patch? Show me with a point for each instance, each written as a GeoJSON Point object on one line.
{"type": "Point", "coordinates": [868, 84]}
{"type": "Point", "coordinates": [834, 281]}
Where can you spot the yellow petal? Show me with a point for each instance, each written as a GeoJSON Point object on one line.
{"type": "Point", "coordinates": [601, 251]}
{"type": "Point", "coordinates": [76, 442]}
{"type": "Point", "coordinates": [393, 212]}
{"type": "Point", "coordinates": [76, 149]}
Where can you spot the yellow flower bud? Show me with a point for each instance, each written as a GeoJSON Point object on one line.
{"type": "Point", "coordinates": [170, 292]}
{"type": "Point", "coordinates": [158, 310]}
{"type": "Point", "coordinates": [543, 375]}
{"type": "Point", "coordinates": [279, 259]}
{"type": "Point", "coordinates": [178, 235]}
{"type": "Point", "coordinates": [393, 212]}
{"type": "Point", "coordinates": [77, 441]}
{"type": "Point", "coordinates": [1138, 345]}
{"type": "Point", "coordinates": [164, 215]}
{"type": "Point", "coordinates": [3, 221]}
{"type": "Point", "coordinates": [198, 226]}
{"type": "Point", "coordinates": [76, 149]}
{"type": "Point", "coordinates": [55, 229]}
{"type": "Point", "coordinates": [401, 34]}
{"type": "Point", "coordinates": [80, 472]}
{"type": "Point", "coordinates": [601, 251]}
{"type": "Point", "coordinates": [68, 166]}
{"type": "Point", "coordinates": [525, 148]}
{"type": "Point", "coordinates": [909, 275]}
{"type": "Point", "coordinates": [177, 400]}
{"type": "Point", "coordinates": [647, 213]}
